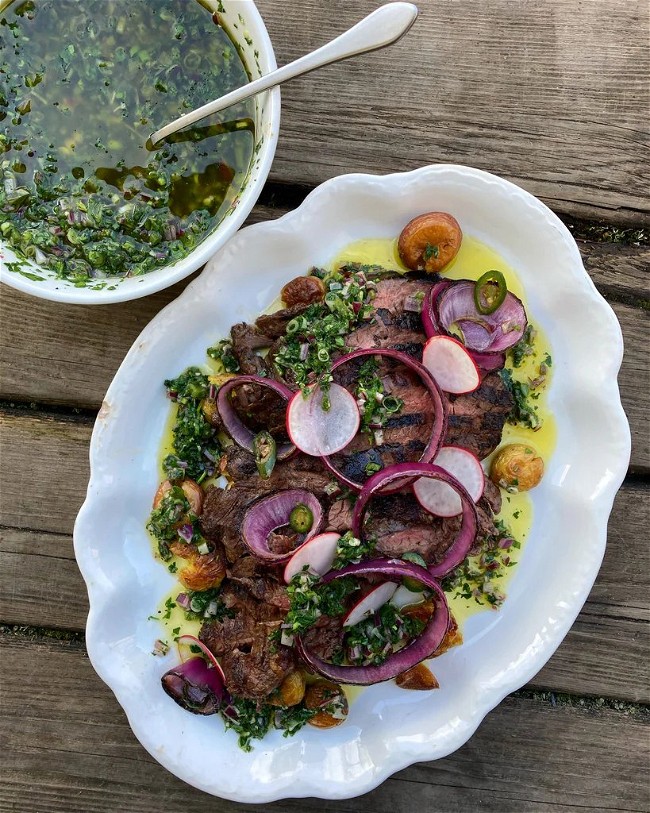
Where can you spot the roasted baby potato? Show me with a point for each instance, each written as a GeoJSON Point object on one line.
{"type": "Point", "coordinates": [290, 692]}
{"type": "Point", "coordinates": [204, 571]}
{"type": "Point", "coordinates": [517, 467]}
{"type": "Point", "coordinates": [429, 242]}
{"type": "Point", "coordinates": [418, 677]}
{"type": "Point", "coordinates": [330, 697]}
{"type": "Point", "coordinates": [303, 291]}
{"type": "Point", "coordinates": [192, 491]}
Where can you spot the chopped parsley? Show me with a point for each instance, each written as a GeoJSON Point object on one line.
{"type": "Point", "coordinates": [350, 550]}
{"type": "Point", "coordinates": [309, 600]}
{"type": "Point", "coordinates": [248, 720]}
{"type": "Point", "coordinates": [196, 448]}
{"type": "Point", "coordinates": [164, 520]}
{"type": "Point", "coordinates": [476, 578]}
{"type": "Point", "coordinates": [305, 353]}
{"type": "Point", "coordinates": [372, 640]}
{"type": "Point", "coordinates": [223, 352]}
{"type": "Point", "coordinates": [525, 346]}
{"type": "Point", "coordinates": [292, 719]}
{"type": "Point", "coordinates": [430, 251]}
{"type": "Point", "coordinates": [523, 412]}
{"type": "Point", "coordinates": [207, 604]}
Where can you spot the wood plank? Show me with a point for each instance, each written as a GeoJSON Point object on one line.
{"type": "Point", "coordinates": [67, 748]}
{"type": "Point", "coordinates": [68, 354]}
{"type": "Point", "coordinates": [540, 97]}
{"type": "Point", "coordinates": [605, 653]}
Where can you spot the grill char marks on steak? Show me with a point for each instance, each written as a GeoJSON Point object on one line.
{"type": "Point", "coordinates": [405, 434]}
{"type": "Point", "coordinates": [391, 326]}
{"type": "Point", "coordinates": [475, 421]}
{"type": "Point", "coordinates": [253, 664]}
{"type": "Point", "coordinates": [224, 509]}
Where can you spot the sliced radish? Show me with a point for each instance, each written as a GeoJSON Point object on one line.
{"type": "Point", "coordinates": [440, 498]}
{"type": "Point", "coordinates": [451, 365]}
{"type": "Point", "coordinates": [317, 431]}
{"type": "Point", "coordinates": [318, 555]}
{"type": "Point", "coordinates": [402, 597]}
{"type": "Point", "coordinates": [370, 603]}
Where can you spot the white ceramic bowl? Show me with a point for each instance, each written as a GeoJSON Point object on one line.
{"type": "Point", "coordinates": [387, 728]}
{"type": "Point", "coordinates": [246, 27]}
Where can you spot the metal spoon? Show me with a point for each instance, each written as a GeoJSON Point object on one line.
{"type": "Point", "coordinates": [383, 27]}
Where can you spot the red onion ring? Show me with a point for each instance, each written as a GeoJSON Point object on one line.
{"type": "Point", "coordinates": [466, 535]}
{"type": "Point", "coordinates": [196, 685]}
{"type": "Point", "coordinates": [418, 650]}
{"type": "Point", "coordinates": [439, 428]}
{"type": "Point", "coordinates": [485, 333]}
{"type": "Point", "coordinates": [429, 315]}
{"type": "Point", "coordinates": [273, 512]}
{"type": "Point", "coordinates": [240, 433]}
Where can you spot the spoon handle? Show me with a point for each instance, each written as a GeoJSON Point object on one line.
{"type": "Point", "coordinates": [381, 28]}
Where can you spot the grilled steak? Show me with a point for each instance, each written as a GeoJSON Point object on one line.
{"type": "Point", "coordinates": [324, 638]}
{"type": "Point", "coordinates": [275, 324]}
{"type": "Point", "coordinates": [253, 664]}
{"type": "Point", "coordinates": [223, 509]}
{"type": "Point", "coordinates": [476, 420]}
{"type": "Point", "coordinates": [246, 340]}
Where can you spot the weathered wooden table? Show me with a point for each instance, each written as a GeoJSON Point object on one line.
{"type": "Point", "coordinates": [553, 95]}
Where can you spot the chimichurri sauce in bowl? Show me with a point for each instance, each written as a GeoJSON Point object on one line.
{"type": "Point", "coordinates": [82, 85]}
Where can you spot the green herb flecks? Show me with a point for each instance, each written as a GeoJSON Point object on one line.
{"type": "Point", "coordinates": [305, 353]}
{"type": "Point", "coordinates": [165, 519]}
{"type": "Point", "coordinates": [523, 411]}
{"type": "Point", "coordinates": [196, 448]}
{"type": "Point", "coordinates": [374, 639]}
{"type": "Point", "coordinates": [290, 720]}
{"type": "Point", "coordinates": [88, 207]}
{"type": "Point", "coordinates": [223, 352]}
{"type": "Point", "coordinates": [310, 600]}
{"type": "Point", "coordinates": [248, 719]}
{"type": "Point", "coordinates": [525, 347]}
{"type": "Point", "coordinates": [375, 405]}
{"type": "Point", "coordinates": [350, 550]}
{"type": "Point", "coordinates": [477, 577]}
{"type": "Point", "coordinates": [207, 604]}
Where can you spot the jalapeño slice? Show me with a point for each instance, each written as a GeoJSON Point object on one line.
{"type": "Point", "coordinates": [265, 452]}
{"type": "Point", "coordinates": [489, 291]}
{"type": "Point", "coordinates": [301, 519]}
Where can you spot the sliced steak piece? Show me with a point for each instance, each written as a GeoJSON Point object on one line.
{"type": "Point", "coordinates": [246, 340]}
{"type": "Point", "coordinates": [339, 517]}
{"type": "Point", "coordinates": [325, 637]}
{"type": "Point", "coordinates": [476, 420]}
{"type": "Point", "coordinates": [253, 664]}
{"type": "Point", "coordinates": [400, 525]}
{"type": "Point", "coordinates": [261, 409]}
{"type": "Point", "coordinates": [405, 434]}
{"type": "Point", "coordinates": [491, 496]}
{"type": "Point", "coordinates": [275, 324]}
{"type": "Point", "coordinates": [223, 509]}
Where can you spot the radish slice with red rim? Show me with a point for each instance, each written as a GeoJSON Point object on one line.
{"type": "Point", "coordinates": [317, 556]}
{"type": "Point", "coordinates": [185, 644]}
{"type": "Point", "coordinates": [450, 364]}
{"type": "Point", "coordinates": [318, 431]}
{"type": "Point", "coordinates": [370, 603]}
{"type": "Point", "coordinates": [403, 597]}
{"type": "Point", "coordinates": [466, 534]}
{"type": "Point", "coordinates": [440, 498]}
{"type": "Point", "coordinates": [238, 431]}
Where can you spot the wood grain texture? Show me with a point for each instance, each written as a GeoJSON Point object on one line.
{"type": "Point", "coordinates": [67, 748]}
{"type": "Point", "coordinates": [553, 96]}
{"type": "Point", "coordinates": [68, 354]}
{"type": "Point", "coordinates": [605, 653]}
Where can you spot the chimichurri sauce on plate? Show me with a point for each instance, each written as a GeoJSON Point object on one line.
{"type": "Point", "coordinates": [82, 85]}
